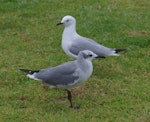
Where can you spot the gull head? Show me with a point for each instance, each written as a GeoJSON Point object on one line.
{"type": "Point", "coordinates": [67, 21]}
{"type": "Point", "coordinates": [88, 55]}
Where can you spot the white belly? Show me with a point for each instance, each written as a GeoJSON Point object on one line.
{"type": "Point", "coordinates": [66, 45]}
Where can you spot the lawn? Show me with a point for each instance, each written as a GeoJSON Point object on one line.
{"type": "Point", "coordinates": [119, 88]}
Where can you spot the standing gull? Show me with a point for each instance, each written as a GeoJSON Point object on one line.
{"type": "Point", "coordinates": [66, 75]}
{"type": "Point", "coordinates": [73, 43]}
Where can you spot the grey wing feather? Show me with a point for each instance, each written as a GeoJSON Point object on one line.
{"type": "Point", "coordinates": [60, 75]}
{"type": "Point", "coordinates": [82, 43]}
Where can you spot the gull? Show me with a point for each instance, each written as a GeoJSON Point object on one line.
{"type": "Point", "coordinates": [73, 43]}
{"type": "Point", "coordinates": [66, 75]}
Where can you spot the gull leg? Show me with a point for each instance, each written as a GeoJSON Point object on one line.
{"type": "Point", "coordinates": [70, 100]}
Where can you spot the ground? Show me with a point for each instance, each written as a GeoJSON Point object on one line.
{"type": "Point", "coordinates": [117, 91]}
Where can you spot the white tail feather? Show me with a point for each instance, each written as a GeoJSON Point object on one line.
{"type": "Point", "coordinates": [114, 53]}
{"type": "Point", "coordinates": [32, 76]}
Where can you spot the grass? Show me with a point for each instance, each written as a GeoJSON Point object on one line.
{"type": "Point", "coordinates": [118, 90]}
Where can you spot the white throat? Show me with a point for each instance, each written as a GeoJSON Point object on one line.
{"type": "Point", "coordinates": [86, 66]}
{"type": "Point", "coordinates": [69, 34]}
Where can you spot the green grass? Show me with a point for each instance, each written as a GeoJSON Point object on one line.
{"type": "Point", "coordinates": [118, 90]}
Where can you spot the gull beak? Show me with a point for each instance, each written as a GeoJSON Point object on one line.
{"type": "Point", "coordinates": [60, 23]}
{"type": "Point", "coordinates": [99, 57]}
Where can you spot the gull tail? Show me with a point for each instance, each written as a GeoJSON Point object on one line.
{"type": "Point", "coordinates": [30, 73]}
{"type": "Point", "coordinates": [115, 52]}
{"type": "Point", "coordinates": [119, 50]}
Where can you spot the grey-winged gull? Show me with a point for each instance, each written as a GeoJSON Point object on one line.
{"type": "Point", "coordinates": [73, 43]}
{"type": "Point", "coordinates": [66, 75]}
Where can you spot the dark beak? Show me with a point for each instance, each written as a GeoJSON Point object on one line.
{"type": "Point", "coordinates": [100, 57]}
{"type": "Point", "coordinates": [59, 23]}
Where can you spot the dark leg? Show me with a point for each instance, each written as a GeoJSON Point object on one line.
{"type": "Point", "coordinates": [70, 100]}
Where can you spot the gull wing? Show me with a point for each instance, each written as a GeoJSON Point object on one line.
{"type": "Point", "coordinates": [60, 75]}
{"type": "Point", "coordinates": [82, 43]}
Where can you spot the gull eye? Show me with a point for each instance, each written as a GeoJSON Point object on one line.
{"type": "Point", "coordinates": [90, 55]}
{"type": "Point", "coordinates": [67, 20]}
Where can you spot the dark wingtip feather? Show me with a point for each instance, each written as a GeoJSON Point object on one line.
{"type": "Point", "coordinates": [120, 50]}
{"type": "Point", "coordinates": [28, 71]}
